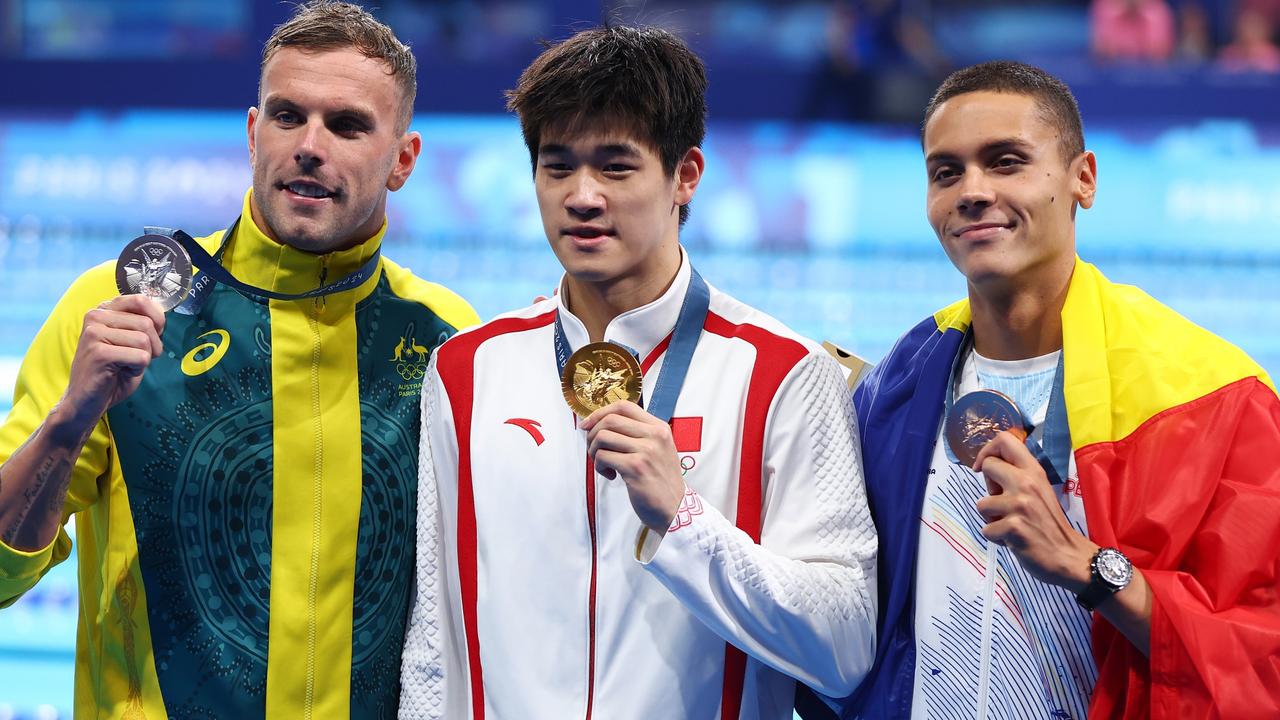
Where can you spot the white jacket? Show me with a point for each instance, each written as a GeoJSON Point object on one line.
{"type": "Point", "coordinates": [535, 577]}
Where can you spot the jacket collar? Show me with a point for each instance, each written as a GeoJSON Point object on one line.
{"type": "Point", "coordinates": [256, 259]}
{"type": "Point", "coordinates": [641, 329]}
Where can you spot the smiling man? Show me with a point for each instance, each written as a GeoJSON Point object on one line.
{"type": "Point", "coordinates": [685, 544]}
{"type": "Point", "coordinates": [242, 469]}
{"type": "Point", "coordinates": [1111, 563]}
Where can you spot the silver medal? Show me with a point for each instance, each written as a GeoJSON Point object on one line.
{"type": "Point", "coordinates": [155, 266]}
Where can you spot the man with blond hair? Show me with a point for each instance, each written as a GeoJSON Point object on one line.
{"type": "Point", "coordinates": [242, 469]}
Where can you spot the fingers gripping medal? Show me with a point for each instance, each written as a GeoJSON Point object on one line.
{"type": "Point", "coordinates": [155, 266]}
{"type": "Point", "coordinates": [977, 418]}
{"type": "Point", "coordinates": [598, 374]}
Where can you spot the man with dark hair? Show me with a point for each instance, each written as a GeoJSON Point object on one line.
{"type": "Point", "coordinates": [682, 544]}
{"type": "Point", "coordinates": [1077, 490]}
{"type": "Point", "coordinates": [242, 469]}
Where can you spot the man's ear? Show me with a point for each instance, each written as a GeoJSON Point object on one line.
{"type": "Point", "coordinates": [1084, 171]}
{"type": "Point", "coordinates": [250, 123]}
{"type": "Point", "coordinates": [688, 175]}
{"type": "Point", "coordinates": [406, 159]}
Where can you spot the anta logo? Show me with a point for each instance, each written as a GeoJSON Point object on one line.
{"type": "Point", "coordinates": [201, 358]}
{"type": "Point", "coordinates": [533, 427]}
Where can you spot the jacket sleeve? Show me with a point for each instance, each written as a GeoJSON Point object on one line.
{"type": "Point", "coordinates": [434, 683]}
{"type": "Point", "coordinates": [1206, 544]}
{"type": "Point", "coordinates": [803, 600]}
{"type": "Point", "coordinates": [42, 379]}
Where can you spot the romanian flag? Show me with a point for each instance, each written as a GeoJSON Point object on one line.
{"type": "Point", "coordinates": [1176, 436]}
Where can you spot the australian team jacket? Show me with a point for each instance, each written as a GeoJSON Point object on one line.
{"type": "Point", "coordinates": [244, 520]}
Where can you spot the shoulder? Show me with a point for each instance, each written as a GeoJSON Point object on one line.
{"type": "Point", "coordinates": [1146, 338]}
{"type": "Point", "coordinates": [732, 318]}
{"type": "Point", "coordinates": [440, 300]}
{"type": "Point", "coordinates": [927, 347]}
{"type": "Point", "coordinates": [460, 349]}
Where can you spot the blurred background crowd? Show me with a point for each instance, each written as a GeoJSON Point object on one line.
{"type": "Point", "coordinates": [831, 59]}
{"type": "Point", "coordinates": [116, 114]}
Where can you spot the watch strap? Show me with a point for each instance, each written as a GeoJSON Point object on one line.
{"type": "Point", "coordinates": [1094, 593]}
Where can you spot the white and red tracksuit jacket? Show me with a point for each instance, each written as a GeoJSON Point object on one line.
{"type": "Point", "coordinates": [537, 597]}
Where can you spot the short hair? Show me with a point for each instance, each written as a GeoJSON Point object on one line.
{"type": "Point", "coordinates": [320, 25]}
{"type": "Point", "coordinates": [643, 79]}
{"type": "Point", "coordinates": [1057, 105]}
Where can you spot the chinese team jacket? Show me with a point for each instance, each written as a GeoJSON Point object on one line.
{"type": "Point", "coordinates": [537, 597]}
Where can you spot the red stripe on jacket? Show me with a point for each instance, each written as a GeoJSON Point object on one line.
{"type": "Point", "coordinates": [455, 361]}
{"type": "Point", "coordinates": [776, 356]}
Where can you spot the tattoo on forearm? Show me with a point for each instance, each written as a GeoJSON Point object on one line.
{"type": "Point", "coordinates": [49, 468]}
{"type": "Point", "coordinates": [54, 468]}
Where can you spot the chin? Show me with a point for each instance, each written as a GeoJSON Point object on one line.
{"type": "Point", "coordinates": [308, 240]}
{"type": "Point", "coordinates": [591, 273]}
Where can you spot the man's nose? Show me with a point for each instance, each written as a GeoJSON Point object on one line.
{"type": "Point", "coordinates": [585, 198]}
{"type": "Point", "coordinates": [311, 150]}
{"type": "Point", "coordinates": [976, 191]}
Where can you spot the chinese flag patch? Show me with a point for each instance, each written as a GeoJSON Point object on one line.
{"type": "Point", "coordinates": [687, 432]}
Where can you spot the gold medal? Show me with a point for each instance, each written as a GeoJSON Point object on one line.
{"type": "Point", "coordinates": [598, 374]}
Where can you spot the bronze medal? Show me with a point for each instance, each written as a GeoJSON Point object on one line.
{"type": "Point", "coordinates": [598, 374]}
{"type": "Point", "coordinates": [976, 419]}
{"type": "Point", "coordinates": [155, 266]}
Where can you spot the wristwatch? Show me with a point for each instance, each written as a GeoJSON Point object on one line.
{"type": "Point", "coordinates": [1111, 572]}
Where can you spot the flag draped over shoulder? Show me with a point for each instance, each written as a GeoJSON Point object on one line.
{"type": "Point", "coordinates": [1176, 436]}
{"type": "Point", "coordinates": [1177, 442]}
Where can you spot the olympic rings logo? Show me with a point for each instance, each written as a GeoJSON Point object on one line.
{"type": "Point", "coordinates": [687, 463]}
{"type": "Point", "coordinates": [411, 371]}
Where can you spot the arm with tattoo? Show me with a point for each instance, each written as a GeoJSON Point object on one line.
{"type": "Point", "coordinates": [33, 487]}
{"type": "Point", "coordinates": [117, 343]}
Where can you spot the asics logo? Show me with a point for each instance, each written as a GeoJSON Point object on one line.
{"type": "Point", "coordinates": [204, 356]}
{"type": "Point", "coordinates": [533, 427]}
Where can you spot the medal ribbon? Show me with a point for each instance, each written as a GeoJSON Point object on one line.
{"type": "Point", "coordinates": [211, 272]}
{"type": "Point", "coordinates": [1050, 442]}
{"type": "Point", "coordinates": [684, 339]}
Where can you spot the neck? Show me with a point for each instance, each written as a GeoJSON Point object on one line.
{"type": "Point", "coordinates": [1015, 321]}
{"type": "Point", "coordinates": [597, 303]}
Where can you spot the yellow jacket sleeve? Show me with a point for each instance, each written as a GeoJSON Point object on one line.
{"type": "Point", "coordinates": [42, 380]}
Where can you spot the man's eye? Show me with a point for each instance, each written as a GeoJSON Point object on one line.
{"type": "Point", "coordinates": [555, 167]}
{"type": "Point", "coordinates": [347, 127]}
{"type": "Point", "coordinates": [617, 168]}
{"type": "Point", "coordinates": [943, 174]}
{"type": "Point", "coordinates": [288, 117]}
{"type": "Point", "coordinates": [1008, 161]}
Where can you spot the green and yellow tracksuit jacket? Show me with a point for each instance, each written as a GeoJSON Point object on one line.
{"type": "Point", "coordinates": [245, 519]}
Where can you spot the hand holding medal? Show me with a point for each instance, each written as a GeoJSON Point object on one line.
{"type": "Point", "coordinates": [988, 432]}
{"type": "Point", "coordinates": [121, 336]}
{"type": "Point", "coordinates": [602, 384]}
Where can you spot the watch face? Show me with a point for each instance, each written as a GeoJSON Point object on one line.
{"type": "Point", "coordinates": [1114, 568]}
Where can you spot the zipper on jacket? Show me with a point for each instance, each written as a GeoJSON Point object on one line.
{"type": "Point", "coordinates": [316, 498]}
{"type": "Point", "coordinates": [591, 602]}
{"type": "Point", "coordinates": [988, 618]}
